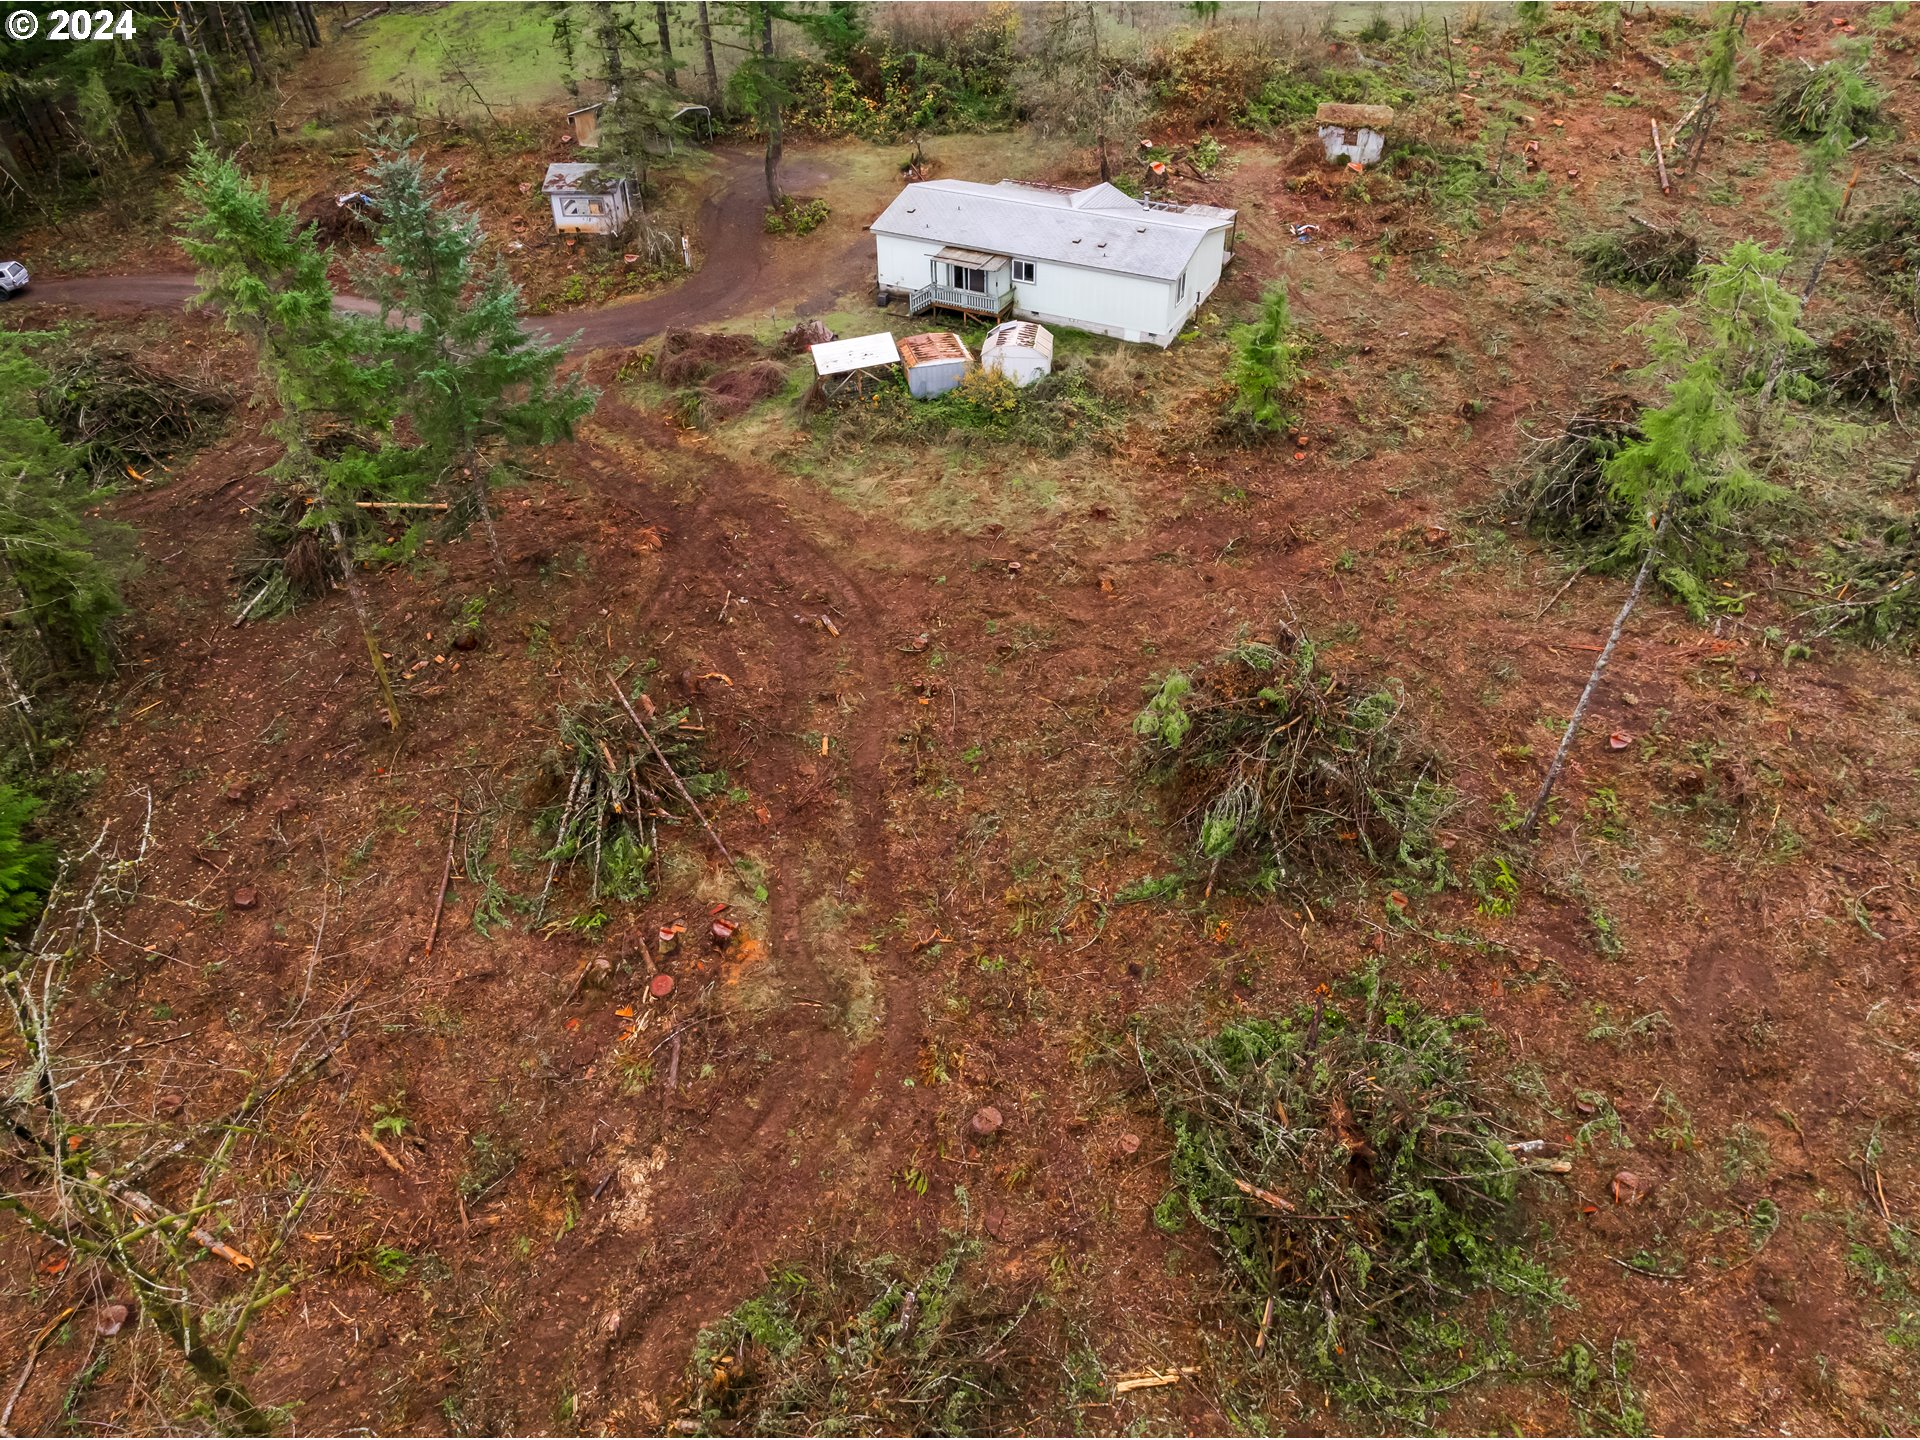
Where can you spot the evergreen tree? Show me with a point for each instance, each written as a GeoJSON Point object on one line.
{"type": "Point", "coordinates": [1265, 367]}
{"type": "Point", "coordinates": [1686, 476]}
{"type": "Point", "coordinates": [52, 552]}
{"type": "Point", "coordinates": [27, 866]}
{"type": "Point", "coordinates": [268, 278]}
{"type": "Point", "coordinates": [470, 373]}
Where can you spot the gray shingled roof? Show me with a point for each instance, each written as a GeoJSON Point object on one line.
{"type": "Point", "coordinates": [1099, 228]}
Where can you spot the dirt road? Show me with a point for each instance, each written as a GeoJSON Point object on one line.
{"type": "Point", "coordinates": [738, 275]}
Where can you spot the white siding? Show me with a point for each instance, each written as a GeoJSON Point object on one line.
{"type": "Point", "coordinates": [1128, 307]}
{"type": "Point", "coordinates": [1203, 274]}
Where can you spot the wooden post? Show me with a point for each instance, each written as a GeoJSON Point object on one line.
{"type": "Point", "coordinates": [1660, 158]}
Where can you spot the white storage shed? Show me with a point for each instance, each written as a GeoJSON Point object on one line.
{"type": "Point", "coordinates": [1021, 350]}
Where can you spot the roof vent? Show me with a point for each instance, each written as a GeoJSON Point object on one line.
{"type": "Point", "coordinates": [911, 209]}
{"type": "Point", "coordinates": [1139, 229]}
{"type": "Point", "coordinates": [1102, 245]}
{"type": "Point", "coordinates": [1076, 240]}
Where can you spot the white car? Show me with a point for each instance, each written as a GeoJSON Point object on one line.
{"type": "Point", "coordinates": [13, 278]}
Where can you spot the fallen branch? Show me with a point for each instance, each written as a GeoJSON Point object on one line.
{"type": "Point", "coordinates": [33, 1358]}
{"type": "Point", "coordinates": [1265, 1197]}
{"type": "Point", "coordinates": [1593, 684]}
{"type": "Point", "coordinates": [1568, 585]}
{"type": "Point", "coordinates": [1154, 1379]}
{"type": "Point", "coordinates": [446, 878]}
{"type": "Point", "coordinates": [1660, 158]}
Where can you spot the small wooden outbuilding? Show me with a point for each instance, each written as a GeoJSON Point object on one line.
{"type": "Point", "coordinates": [1354, 134]}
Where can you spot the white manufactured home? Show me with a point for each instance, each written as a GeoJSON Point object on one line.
{"type": "Point", "coordinates": [1093, 259]}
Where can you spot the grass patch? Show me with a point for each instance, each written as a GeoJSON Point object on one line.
{"type": "Point", "coordinates": [1283, 771]}
{"type": "Point", "coordinates": [1357, 1185]}
{"type": "Point", "coordinates": [1053, 415]}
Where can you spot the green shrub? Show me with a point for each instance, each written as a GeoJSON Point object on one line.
{"type": "Point", "coordinates": [796, 217]}
{"type": "Point", "coordinates": [1355, 1178]}
{"type": "Point", "coordinates": [1054, 415]}
{"type": "Point", "coordinates": [1281, 770]}
{"type": "Point", "coordinates": [26, 865]}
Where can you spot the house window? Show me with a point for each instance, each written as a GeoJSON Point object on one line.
{"type": "Point", "coordinates": [1023, 272]}
{"type": "Point", "coordinates": [965, 277]}
{"type": "Point", "coordinates": [580, 206]}
{"type": "Point", "coordinates": [1180, 291]}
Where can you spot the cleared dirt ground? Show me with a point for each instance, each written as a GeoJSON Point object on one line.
{"type": "Point", "coordinates": [930, 668]}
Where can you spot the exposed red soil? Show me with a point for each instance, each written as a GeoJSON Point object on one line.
{"type": "Point", "coordinates": [931, 733]}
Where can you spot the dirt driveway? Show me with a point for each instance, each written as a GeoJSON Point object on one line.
{"type": "Point", "coordinates": [744, 272]}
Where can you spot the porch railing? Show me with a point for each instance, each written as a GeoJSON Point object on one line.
{"type": "Point", "coordinates": [971, 302]}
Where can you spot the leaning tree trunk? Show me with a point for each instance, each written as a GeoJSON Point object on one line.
{"type": "Point", "coordinates": [770, 99]}
{"type": "Point", "coordinates": [149, 134]}
{"type": "Point", "coordinates": [362, 613]}
{"type": "Point", "coordinates": [195, 53]}
{"type": "Point", "coordinates": [706, 49]}
{"type": "Point", "coordinates": [250, 42]}
{"type": "Point", "coordinates": [666, 45]}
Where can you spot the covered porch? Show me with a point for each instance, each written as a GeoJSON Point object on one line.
{"type": "Point", "coordinates": [966, 282]}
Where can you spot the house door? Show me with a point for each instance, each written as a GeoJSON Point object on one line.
{"type": "Point", "coordinates": [965, 277]}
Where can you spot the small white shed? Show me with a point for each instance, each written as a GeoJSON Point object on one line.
{"type": "Point", "coordinates": [1355, 134]}
{"type": "Point", "coordinates": [1020, 350]}
{"type": "Point", "coordinates": [586, 199]}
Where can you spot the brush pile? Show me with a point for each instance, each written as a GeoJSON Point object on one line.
{"type": "Point", "coordinates": [1654, 262]}
{"type": "Point", "coordinates": [1873, 588]}
{"type": "Point", "coordinates": [852, 1346]}
{"type": "Point", "coordinates": [1565, 494]}
{"type": "Point", "coordinates": [124, 416]}
{"type": "Point", "coordinates": [1864, 363]}
{"type": "Point", "coordinates": [1282, 771]}
{"type": "Point", "coordinates": [618, 791]}
{"type": "Point", "coordinates": [1838, 96]}
{"type": "Point", "coordinates": [1887, 240]}
{"type": "Point", "coordinates": [1359, 1187]}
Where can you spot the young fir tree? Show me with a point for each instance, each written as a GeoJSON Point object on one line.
{"type": "Point", "coordinates": [1687, 475]}
{"type": "Point", "coordinates": [268, 278]}
{"type": "Point", "coordinates": [1717, 71]}
{"type": "Point", "coordinates": [1265, 367]}
{"type": "Point", "coordinates": [53, 554]}
{"type": "Point", "coordinates": [471, 375]}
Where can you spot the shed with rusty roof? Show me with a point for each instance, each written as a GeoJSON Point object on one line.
{"type": "Point", "coordinates": [935, 363]}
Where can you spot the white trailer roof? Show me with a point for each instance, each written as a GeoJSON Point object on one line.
{"type": "Point", "coordinates": [837, 357]}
